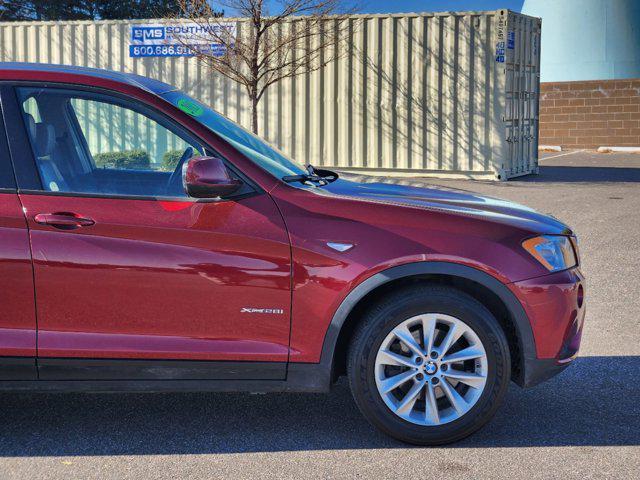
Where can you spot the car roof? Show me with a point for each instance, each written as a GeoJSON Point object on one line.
{"type": "Point", "coordinates": [151, 85]}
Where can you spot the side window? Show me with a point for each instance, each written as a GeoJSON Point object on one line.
{"type": "Point", "coordinates": [92, 143]}
{"type": "Point", "coordinates": [122, 139]}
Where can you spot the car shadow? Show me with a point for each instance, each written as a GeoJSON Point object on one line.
{"type": "Point", "coordinates": [547, 174]}
{"type": "Point", "coordinates": [593, 403]}
{"type": "Point", "coordinates": [582, 174]}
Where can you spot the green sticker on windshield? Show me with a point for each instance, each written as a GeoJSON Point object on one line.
{"type": "Point", "coordinates": [189, 106]}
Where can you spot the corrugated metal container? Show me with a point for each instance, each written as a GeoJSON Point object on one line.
{"type": "Point", "coordinates": [414, 94]}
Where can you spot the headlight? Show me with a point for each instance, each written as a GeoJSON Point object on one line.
{"type": "Point", "coordinates": [555, 252]}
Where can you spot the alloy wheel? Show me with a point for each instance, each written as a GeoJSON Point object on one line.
{"type": "Point", "coordinates": [431, 369]}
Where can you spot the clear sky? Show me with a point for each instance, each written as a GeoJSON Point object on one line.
{"type": "Point", "coordinates": [400, 6]}
{"type": "Point", "coordinates": [403, 6]}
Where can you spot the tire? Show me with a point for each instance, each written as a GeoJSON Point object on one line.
{"type": "Point", "coordinates": [366, 366]}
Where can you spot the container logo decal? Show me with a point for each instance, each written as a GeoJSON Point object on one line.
{"type": "Point", "coordinates": [181, 40]}
{"type": "Point", "coordinates": [141, 34]}
{"type": "Point", "coordinates": [500, 52]}
{"type": "Point", "coordinates": [500, 44]}
{"type": "Point", "coordinates": [511, 40]}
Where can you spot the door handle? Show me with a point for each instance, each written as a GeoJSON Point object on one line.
{"type": "Point", "coordinates": [63, 220]}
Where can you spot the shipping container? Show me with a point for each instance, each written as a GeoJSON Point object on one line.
{"type": "Point", "coordinates": [412, 95]}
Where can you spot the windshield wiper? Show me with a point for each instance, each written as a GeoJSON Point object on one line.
{"type": "Point", "coordinates": [323, 177]}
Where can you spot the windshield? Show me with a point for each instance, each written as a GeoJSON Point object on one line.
{"type": "Point", "coordinates": [249, 144]}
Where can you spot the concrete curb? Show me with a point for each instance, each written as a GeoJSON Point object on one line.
{"type": "Point", "coordinates": [549, 148]}
{"type": "Point", "coordinates": [618, 149]}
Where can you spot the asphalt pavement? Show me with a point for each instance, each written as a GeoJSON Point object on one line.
{"type": "Point", "coordinates": [583, 424]}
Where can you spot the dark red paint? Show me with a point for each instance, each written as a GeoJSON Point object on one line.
{"type": "Point", "coordinates": [17, 314]}
{"type": "Point", "coordinates": [552, 304]}
{"type": "Point", "coordinates": [124, 278]}
{"type": "Point", "coordinates": [144, 282]}
{"type": "Point", "coordinates": [208, 177]}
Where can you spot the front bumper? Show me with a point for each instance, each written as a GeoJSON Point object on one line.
{"type": "Point", "coordinates": [555, 306]}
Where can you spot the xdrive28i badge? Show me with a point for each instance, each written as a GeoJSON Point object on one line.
{"type": "Point", "coordinates": [273, 311]}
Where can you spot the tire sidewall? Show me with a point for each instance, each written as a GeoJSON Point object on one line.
{"type": "Point", "coordinates": [386, 317]}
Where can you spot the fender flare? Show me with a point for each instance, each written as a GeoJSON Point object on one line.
{"type": "Point", "coordinates": [521, 321]}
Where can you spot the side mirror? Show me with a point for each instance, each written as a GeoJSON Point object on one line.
{"type": "Point", "coordinates": [208, 177]}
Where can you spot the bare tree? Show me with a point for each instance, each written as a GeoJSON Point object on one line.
{"type": "Point", "coordinates": [301, 36]}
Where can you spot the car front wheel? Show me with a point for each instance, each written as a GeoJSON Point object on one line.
{"type": "Point", "coordinates": [429, 365]}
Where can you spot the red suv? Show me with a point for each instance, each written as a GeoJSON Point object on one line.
{"type": "Point", "coordinates": [148, 243]}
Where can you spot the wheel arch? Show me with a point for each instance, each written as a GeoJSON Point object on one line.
{"type": "Point", "coordinates": [482, 286]}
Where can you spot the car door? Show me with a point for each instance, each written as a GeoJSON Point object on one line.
{"type": "Point", "coordinates": [17, 315]}
{"type": "Point", "coordinates": [132, 277]}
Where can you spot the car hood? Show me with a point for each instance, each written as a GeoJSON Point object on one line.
{"type": "Point", "coordinates": [460, 202]}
